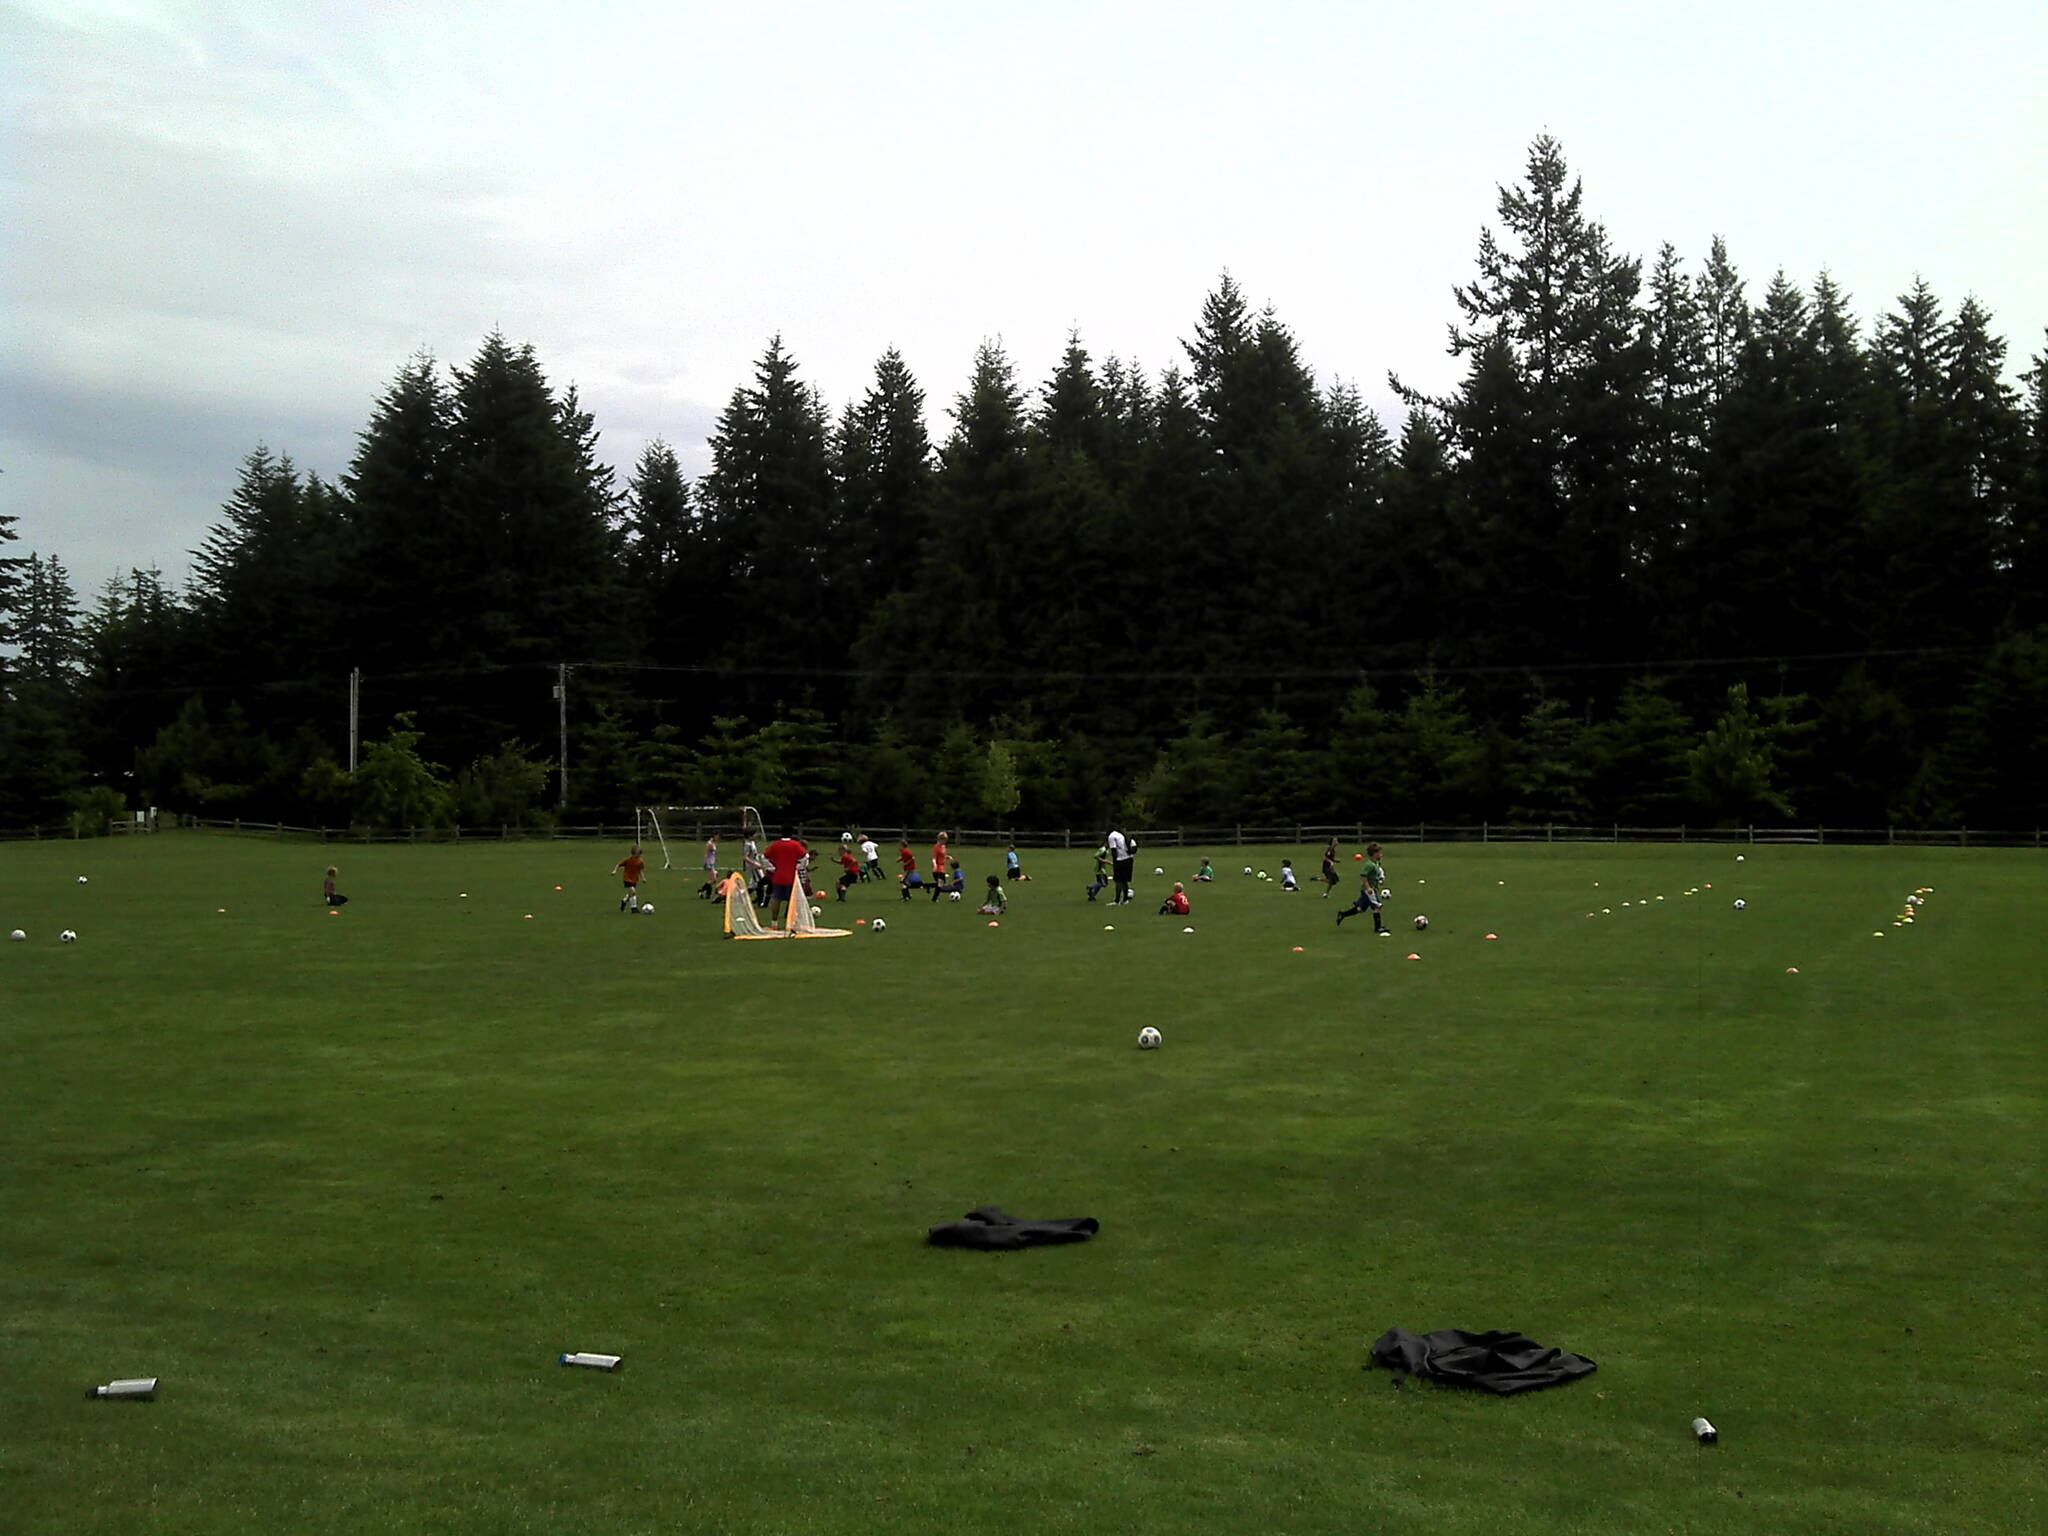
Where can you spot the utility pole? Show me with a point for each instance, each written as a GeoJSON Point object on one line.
{"type": "Point", "coordinates": [355, 704]}
{"type": "Point", "coordinates": [562, 701]}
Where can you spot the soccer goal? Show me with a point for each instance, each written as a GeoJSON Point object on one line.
{"type": "Point", "coordinates": [737, 825]}
{"type": "Point", "coordinates": [743, 920]}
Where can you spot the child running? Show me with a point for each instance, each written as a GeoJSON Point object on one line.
{"type": "Point", "coordinates": [850, 870]}
{"type": "Point", "coordinates": [1371, 887]}
{"type": "Point", "coordinates": [1101, 871]}
{"type": "Point", "coordinates": [629, 869]}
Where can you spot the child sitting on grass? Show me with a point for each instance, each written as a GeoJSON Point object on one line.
{"type": "Point", "coordinates": [997, 903]}
{"type": "Point", "coordinates": [1175, 905]}
{"type": "Point", "coordinates": [1206, 873]}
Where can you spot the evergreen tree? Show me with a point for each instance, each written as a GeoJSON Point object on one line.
{"type": "Point", "coordinates": [13, 576]}
{"type": "Point", "coordinates": [1734, 768]}
{"type": "Point", "coordinates": [1783, 510]}
{"type": "Point", "coordinates": [1950, 427]}
{"type": "Point", "coordinates": [1676, 409]}
{"type": "Point", "coordinates": [2024, 554]}
{"type": "Point", "coordinates": [403, 557]}
{"type": "Point", "coordinates": [768, 498]}
{"type": "Point", "coordinates": [1550, 766]}
{"type": "Point", "coordinates": [267, 601]}
{"type": "Point", "coordinates": [883, 457]}
{"type": "Point", "coordinates": [1724, 322]}
{"type": "Point", "coordinates": [666, 563]}
{"type": "Point", "coordinates": [52, 646]}
{"type": "Point", "coordinates": [533, 508]}
{"type": "Point", "coordinates": [1641, 770]}
{"type": "Point", "coordinates": [1550, 418]}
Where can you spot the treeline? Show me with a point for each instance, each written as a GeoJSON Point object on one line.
{"type": "Point", "coordinates": [1669, 551]}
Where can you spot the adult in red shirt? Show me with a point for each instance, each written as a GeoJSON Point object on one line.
{"type": "Point", "coordinates": [939, 871]}
{"type": "Point", "coordinates": [783, 855]}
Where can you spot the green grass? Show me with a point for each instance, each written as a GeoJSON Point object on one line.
{"type": "Point", "coordinates": [348, 1184]}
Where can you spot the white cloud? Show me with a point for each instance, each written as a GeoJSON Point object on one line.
{"type": "Point", "coordinates": [234, 221]}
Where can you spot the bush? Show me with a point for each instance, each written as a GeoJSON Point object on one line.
{"type": "Point", "coordinates": [93, 811]}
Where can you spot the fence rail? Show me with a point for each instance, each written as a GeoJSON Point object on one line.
{"type": "Point", "coordinates": [1299, 834]}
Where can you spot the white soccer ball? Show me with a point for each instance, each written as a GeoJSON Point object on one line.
{"type": "Point", "coordinates": [1262, 874]}
{"type": "Point", "coordinates": [1421, 922]}
{"type": "Point", "coordinates": [647, 910]}
{"type": "Point", "coordinates": [1149, 1038]}
{"type": "Point", "coordinates": [17, 935]}
{"type": "Point", "coordinates": [880, 924]}
{"type": "Point", "coordinates": [846, 837]}
{"type": "Point", "coordinates": [1247, 869]}
{"type": "Point", "coordinates": [1740, 903]}
{"type": "Point", "coordinates": [67, 937]}
{"type": "Point", "coordinates": [1157, 870]}
{"type": "Point", "coordinates": [816, 913]}
{"type": "Point", "coordinates": [81, 879]}
{"type": "Point", "coordinates": [953, 895]}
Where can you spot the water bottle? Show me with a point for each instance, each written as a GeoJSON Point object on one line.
{"type": "Point", "coordinates": [1704, 1432]}
{"type": "Point", "coordinates": [133, 1386]}
{"type": "Point", "coordinates": [595, 1362]}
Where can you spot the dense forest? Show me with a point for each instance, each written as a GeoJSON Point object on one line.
{"type": "Point", "coordinates": [1672, 550]}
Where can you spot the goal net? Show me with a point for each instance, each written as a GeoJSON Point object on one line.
{"type": "Point", "coordinates": [743, 920]}
{"type": "Point", "coordinates": [684, 834]}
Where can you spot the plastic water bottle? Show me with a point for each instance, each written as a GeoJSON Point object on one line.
{"type": "Point", "coordinates": [595, 1362]}
{"type": "Point", "coordinates": [133, 1386]}
{"type": "Point", "coordinates": [1704, 1432]}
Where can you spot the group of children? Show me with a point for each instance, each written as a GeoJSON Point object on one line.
{"type": "Point", "coordinates": [947, 880]}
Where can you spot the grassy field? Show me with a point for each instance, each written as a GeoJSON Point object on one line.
{"type": "Point", "coordinates": [349, 1184]}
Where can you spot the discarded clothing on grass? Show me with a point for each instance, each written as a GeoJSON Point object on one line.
{"type": "Point", "coordinates": [1499, 1362]}
{"type": "Point", "coordinates": [988, 1227]}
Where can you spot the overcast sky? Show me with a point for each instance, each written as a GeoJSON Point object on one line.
{"type": "Point", "coordinates": [230, 223]}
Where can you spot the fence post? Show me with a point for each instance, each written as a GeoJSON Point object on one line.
{"type": "Point", "coordinates": [1821, 836]}
{"type": "Point", "coordinates": [1422, 831]}
{"type": "Point", "coordinates": [1485, 835]}
{"type": "Point", "coordinates": [1964, 832]}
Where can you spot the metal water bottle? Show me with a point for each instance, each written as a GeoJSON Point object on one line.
{"type": "Point", "coordinates": [1704, 1432]}
{"type": "Point", "coordinates": [132, 1386]}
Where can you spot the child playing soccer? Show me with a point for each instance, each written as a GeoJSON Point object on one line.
{"type": "Point", "coordinates": [1101, 871]}
{"type": "Point", "coordinates": [1016, 869]}
{"type": "Point", "coordinates": [630, 868]}
{"type": "Point", "coordinates": [1370, 888]}
{"type": "Point", "coordinates": [1287, 876]}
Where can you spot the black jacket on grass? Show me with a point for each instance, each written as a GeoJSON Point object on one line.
{"type": "Point", "coordinates": [987, 1227]}
{"type": "Point", "coordinates": [1498, 1362]}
